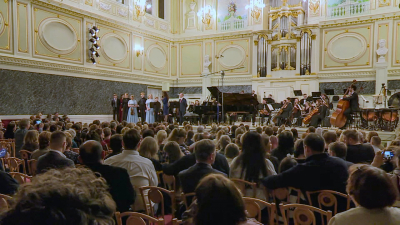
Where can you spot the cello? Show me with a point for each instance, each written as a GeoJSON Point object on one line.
{"type": "Point", "coordinates": [338, 119]}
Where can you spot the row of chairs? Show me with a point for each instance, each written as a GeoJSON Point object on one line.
{"type": "Point", "coordinates": [9, 145]}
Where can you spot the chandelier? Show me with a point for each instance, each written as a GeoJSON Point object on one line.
{"type": "Point", "coordinates": [206, 14]}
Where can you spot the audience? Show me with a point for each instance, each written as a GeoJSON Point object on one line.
{"type": "Point", "coordinates": [115, 145]}
{"type": "Point", "coordinates": [287, 163]}
{"type": "Point", "coordinates": [319, 172]}
{"type": "Point", "coordinates": [91, 154]}
{"type": "Point", "coordinates": [231, 151]}
{"type": "Point", "coordinates": [68, 152]}
{"type": "Point", "coordinates": [285, 145]}
{"type": "Point", "coordinates": [68, 196]}
{"type": "Point", "coordinates": [44, 143]}
{"type": "Point", "coordinates": [205, 154]}
{"type": "Point", "coordinates": [173, 152]}
{"type": "Point", "coordinates": [55, 157]}
{"type": "Point", "coordinates": [148, 149]}
{"type": "Point", "coordinates": [141, 170]}
{"type": "Point", "coordinates": [356, 151]}
{"type": "Point", "coordinates": [9, 185]}
{"type": "Point", "coordinates": [339, 150]}
{"type": "Point", "coordinates": [299, 151]}
{"type": "Point", "coordinates": [11, 127]}
{"type": "Point", "coordinates": [19, 135]}
{"type": "Point", "coordinates": [373, 193]}
{"type": "Point", "coordinates": [376, 143]}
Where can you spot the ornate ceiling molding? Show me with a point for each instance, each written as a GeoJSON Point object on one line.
{"type": "Point", "coordinates": [339, 75]}
{"type": "Point", "coordinates": [359, 20]}
{"type": "Point", "coordinates": [393, 73]}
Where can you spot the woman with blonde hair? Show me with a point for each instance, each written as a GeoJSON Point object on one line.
{"type": "Point", "coordinates": [149, 111]}
{"type": "Point", "coordinates": [172, 151]}
{"type": "Point", "coordinates": [161, 137]}
{"type": "Point", "coordinates": [224, 140]}
{"type": "Point", "coordinates": [179, 136]}
{"type": "Point", "coordinates": [148, 149]}
{"type": "Point", "coordinates": [31, 141]}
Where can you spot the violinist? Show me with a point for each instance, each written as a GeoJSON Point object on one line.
{"type": "Point", "coordinates": [297, 111]}
{"type": "Point", "coordinates": [286, 112]}
{"type": "Point", "coordinates": [353, 99]}
{"type": "Point", "coordinates": [307, 108]}
{"type": "Point", "coordinates": [320, 115]}
{"type": "Point", "coordinates": [264, 112]}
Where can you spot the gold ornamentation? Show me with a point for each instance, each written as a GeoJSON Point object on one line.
{"type": "Point", "coordinates": [345, 64]}
{"type": "Point", "coordinates": [314, 7]}
{"type": "Point", "coordinates": [367, 63]}
{"type": "Point", "coordinates": [256, 42]}
{"type": "Point", "coordinates": [397, 61]}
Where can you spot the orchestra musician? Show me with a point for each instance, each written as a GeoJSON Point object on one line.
{"type": "Point", "coordinates": [353, 99]}
{"type": "Point", "coordinates": [270, 99]}
{"type": "Point", "coordinates": [320, 115]}
{"type": "Point", "coordinates": [297, 108]}
{"type": "Point", "coordinates": [307, 108]}
{"type": "Point", "coordinates": [286, 111]}
{"type": "Point", "coordinates": [264, 112]}
{"type": "Point", "coordinates": [304, 99]}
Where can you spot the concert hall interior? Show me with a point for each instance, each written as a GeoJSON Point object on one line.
{"type": "Point", "coordinates": [244, 86]}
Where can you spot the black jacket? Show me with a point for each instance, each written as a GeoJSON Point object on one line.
{"type": "Point", "coordinates": [8, 185]}
{"type": "Point", "coordinates": [319, 172]}
{"type": "Point", "coordinates": [52, 160]}
{"type": "Point", "coordinates": [220, 164]}
{"type": "Point", "coordinates": [360, 153]}
{"type": "Point", "coordinates": [115, 104]}
{"type": "Point", "coordinates": [353, 99]}
{"type": "Point", "coordinates": [182, 105]}
{"type": "Point", "coordinates": [191, 177]}
{"type": "Point", "coordinates": [119, 182]}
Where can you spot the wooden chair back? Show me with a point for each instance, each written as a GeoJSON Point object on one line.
{"type": "Point", "coordinates": [25, 154]}
{"type": "Point", "coordinates": [243, 185]}
{"type": "Point", "coordinates": [303, 214]}
{"type": "Point", "coordinates": [283, 195]}
{"type": "Point", "coordinates": [20, 177]}
{"type": "Point", "coordinates": [155, 195]}
{"type": "Point", "coordinates": [253, 208]}
{"type": "Point", "coordinates": [328, 199]}
{"type": "Point", "coordinates": [185, 198]}
{"type": "Point", "coordinates": [169, 182]}
{"type": "Point", "coordinates": [14, 164]}
{"type": "Point", "coordinates": [32, 166]}
{"type": "Point", "coordinates": [135, 218]}
{"type": "Point", "coordinates": [4, 202]}
{"type": "Point", "coordinates": [9, 145]}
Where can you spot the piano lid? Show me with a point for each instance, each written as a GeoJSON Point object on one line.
{"type": "Point", "coordinates": [234, 98]}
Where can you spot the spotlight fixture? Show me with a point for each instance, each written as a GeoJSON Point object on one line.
{"type": "Point", "coordinates": [93, 60]}
{"type": "Point", "coordinates": [97, 54]}
{"type": "Point", "coordinates": [92, 32]}
{"type": "Point", "coordinates": [96, 46]}
{"type": "Point", "coordinates": [95, 29]}
{"type": "Point", "coordinates": [92, 50]}
{"type": "Point", "coordinates": [94, 41]}
{"type": "Point", "coordinates": [96, 37]}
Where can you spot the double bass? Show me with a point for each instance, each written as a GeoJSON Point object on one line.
{"type": "Point", "coordinates": [338, 119]}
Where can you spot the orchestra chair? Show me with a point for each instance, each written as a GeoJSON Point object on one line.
{"type": "Point", "coordinates": [9, 145]}
{"type": "Point", "coordinates": [155, 195]}
{"type": "Point", "coordinates": [175, 221]}
{"type": "Point", "coordinates": [135, 218]}
{"type": "Point", "coordinates": [32, 166]}
{"type": "Point", "coordinates": [21, 178]}
{"type": "Point", "coordinates": [253, 209]}
{"type": "Point", "coordinates": [25, 155]}
{"type": "Point", "coordinates": [328, 200]}
{"type": "Point", "coordinates": [284, 196]}
{"type": "Point", "coordinates": [169, 182]}
{"type": "Point", "coordinates": [15, 163]}
{"type": "Point", "coordinates": [185, 198]}
{"type": "Point", "coordinates": [303, 214]}
{"type": "Point", "coordinates": [243, 185]}
{"type": "Point", "coordinates": [4, 202]}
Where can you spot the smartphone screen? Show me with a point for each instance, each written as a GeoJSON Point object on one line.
{"type": "Point", "coordinates": [38, 121]}
{"type": "Point", "coordinates": [388, 154]}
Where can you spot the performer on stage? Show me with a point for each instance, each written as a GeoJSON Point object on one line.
{"type": "Point", "coordinates": [125, 106]}
{"type": "Point", "coordinates": [165, 100]}
{"type": "Point", "coordinates": [149, 111]}
{"type": "Point", "coordinates": [270, 99]}
{"type": "Point", "coordinates": [142, 107]}
{"type": "Point", "coordinates": [297, 108]}
{"type": "Point", "coordinates": [318, 117]}
{"type": "Point", "coordinates": [307, 108]}
{"type": "Point", "coordinates": [264, 112]}
{"type": "Point", "coordinates": [115, 106]}
{"type": "Point", "coordinates": [132, 113]}
{"type": "Point", "coordinates": [304, 99]}
{"type": "Point", "coordinates": [182, 108]}
{"type": "Point", "coordinates": [157, 108]}
{"type": "Point", "coordinates": [353, 99]}
{"type": "Point", "coordinates": [120, 109]}
{"type": "Point", "coordinates": [286, 111]}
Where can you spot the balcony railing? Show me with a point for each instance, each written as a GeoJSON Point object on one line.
{"type": "Point", "coordinates": [348, 9]}
{"type": "Point", "coordinates": [234, 24]}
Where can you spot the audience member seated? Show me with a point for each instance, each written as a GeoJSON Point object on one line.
{"type": "Point", "coordinates": [224, 140]}
{"type": "Point", "coordinates": [205, 154]}
{"type": "Point", "coordinates": [329, 137]}
{"type": "Point", "coordinates": [69, 196]}
{"type": "Point", "coordinates": [356, 151]}
{"type": "Point", "coordinates": [179, 135]}
{"type": "Point", "coordinates": [55, 157]}
{"type": "Point", "coordinates": [252, 165]}
{"type": "Point", "coordinates": [285, 145]}
{"type": "Point", "coordinates": [11, 127]}
{"type": "Point", "coordinates": [68, 152]}
{"type": "Point", "coordinates": [299, 151]}
{"type": "Point", "coordinates": [19, 135]}
{"type": "Point", "coordinates": [218, 202]}
{"type": "Point", "coordinates": [189, 138]}
{"type": "Point", "coordinates": [231, 151]}
{"type": "Point", "coordinates": [373, 193]}
{"type": "Point", "coordinates": [148, 149]}
{"type": "Point", "coordinates": [8, 185]}
{"type": "Point", "coordinates": [265, 139]}
{"type": "Point", "coordinates": [91, 154]}
{"type": "Point", "coordinates": [141, 170]}
{"type": "Point", "coordinates": [339, 150]}
{"type": "Point", "coordinates": [44, 143]}
{"type": "Point", "coordinates": [376, 143]}
{"type": "Point", "coordinates": [319, 172]}
{"type": "Point", "coordinates": [115, 145]}
{"type": "Point", "coordinates": [287, 163]}
{"type": "Point", "coordinates": [148, 133]}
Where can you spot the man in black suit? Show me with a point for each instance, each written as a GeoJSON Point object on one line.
{"type": "Point", "coordinates": [8, 184]}
{"type": "Point", "coordinates": [205, 156]}
{"type": "Point", "coordinates": [157, 109]}
{"type": "Point", "coordinates": [55, 158]}
{"type": "Point", "coordinates": [115, 106]}
{"type": "Point", "coordinates": [353, 99]}
{"type": "Point", "coordinates": [317, 118]}
{"type": "Point", "coordinates": [142, 107]}
{"type": "Point", "coordinates": [357, 152]}
{"type": "Point", "coordinates": [339, 150]}
{"type": "Point", "coordinates": [287, 110]}
{"type": "Point", "coordinates": [319, 172]}
{"type": "Point", "coordinates": [182, 107]}
{"type": "Point", "coordinates": [91, 154]}
{"type": "Point", "coordinates": [125, 108]}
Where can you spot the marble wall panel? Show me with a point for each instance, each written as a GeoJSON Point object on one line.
{"type": "Point", "coordinates": [393, 84]}
{"type": "Point", "coordinates": [369, 87]}
{"type": "Point", "coordinates": [29, 93]}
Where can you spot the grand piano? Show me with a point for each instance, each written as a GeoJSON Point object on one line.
{"type": "Point", "coordinates": [240, 104]}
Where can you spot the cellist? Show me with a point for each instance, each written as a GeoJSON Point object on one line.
{"type": "Point", "coordinates": [286, 112]}
{"type": "Point", "coordinates": [318, 117]}
{"type": "Point", "coordinates": [353, 99]}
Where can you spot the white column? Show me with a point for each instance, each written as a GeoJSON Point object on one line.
{"type": "Point", "coordinates": [381, 75]}
{"type": "Point", "coordinates": [206, 82]}
{"type": "Point", "coordinates": [269, 56]}
{"type": "Point", "coordinates": [298, 50]}
{"type": "Point", "coordinates": [254, 59]}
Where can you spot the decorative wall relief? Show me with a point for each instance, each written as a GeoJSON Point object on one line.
{"type": "Point", "coordinates": [114, 48]}
{"type": "Point", "coordinates": [5, 36]}
{"type": "Point", "coordinates": [232, 15]}
{"type": "Point", "coordinates": [314, 8]}
{"type": "Point", "coordinates": [384, 3]}
{"type": "Point", "coordinates": [191, 17]}
{"type": "Point", "coordinates": [381, 51]}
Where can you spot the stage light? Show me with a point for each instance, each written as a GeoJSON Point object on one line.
{"type": "Point", "coordinates": [93, 60]}
{"type": "Point", "coordinates": [96, 29]}
{"type": "Point", "coordinates": [96, 37]}
{"type": "Point", "coordinates": [96, 46]}
{"type": "Point", "coordinates": [92, 50]}
{"type": "Point", "coordinates": [97, 54]}
{"type": "Point", "coordinates": [94, 41]}
{"type": "Point", "coordinates": [92, 32]}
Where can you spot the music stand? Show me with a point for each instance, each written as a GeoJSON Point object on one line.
{"type": "Point", "coordinates": [276, 105]}
{"type": "Point", "coordinates": [155, 105]}
{"type": "Point", "coordinates": [269, 100]}
{"type": "Point", "coordinates": [297, 93]}
{"type": "Point", "coordinates": [316, 95]}
{"type": "Point", "coordinates": [329, 91]}
{"type": "Point", "coordinates": [174, 105]}
{"type": "Point", "coordinates": [309, 99]}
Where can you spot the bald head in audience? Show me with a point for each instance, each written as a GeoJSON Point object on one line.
{"type": "Point", "coordinates": [91, 152]}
